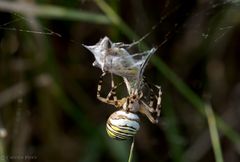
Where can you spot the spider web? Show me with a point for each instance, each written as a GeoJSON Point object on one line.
{"type": "Point", "coordinates": [209, 7]}
{"type": "Point", "coordinates": [115, 57]}
{"type": "Point", "coordinates": [132, 65]}
{"type": "Point", "coordinates": [135, 61]}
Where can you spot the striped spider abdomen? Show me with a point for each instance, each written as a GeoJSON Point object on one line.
{"type": "Point", "coordinates": [122, 125]}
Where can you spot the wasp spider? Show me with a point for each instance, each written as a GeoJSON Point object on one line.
{"type": "Point", "coordinates": [124, 123]}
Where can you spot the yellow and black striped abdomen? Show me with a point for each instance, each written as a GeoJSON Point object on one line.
{"type": "Point", "coordinates": [122, 125]}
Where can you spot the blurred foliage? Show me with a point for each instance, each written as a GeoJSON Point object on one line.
{"type": "Point", "coordinates": [49, 110]}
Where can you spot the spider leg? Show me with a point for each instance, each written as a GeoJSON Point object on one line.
{"type": "Point", "coordinates": [117, 103]}
{"type": "Point", "coordinates": [152, 95]}
{"type": "Point", "coordinates": [144, 109]}
{"type": "Point", "coordinates": [159, 99]}
{"type": "Point", "coordinates": [151, 111]}
{"type": "Point", "coordinates": [112, 93]}
{"type": "Point", "coordinates": [99, 88]}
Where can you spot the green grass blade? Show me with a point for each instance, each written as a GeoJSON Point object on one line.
{"type": "Point", "coordinates": [50, 11]}
{"type": "Point", "coordinates": [214, 133]}
{"type": "Point", "coordinates": [2, 150]}
{"type": "Point", "coordinates": [131, 151]}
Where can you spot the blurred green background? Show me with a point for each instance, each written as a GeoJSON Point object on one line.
{"type": "Point", "coordinates": [49, 110]}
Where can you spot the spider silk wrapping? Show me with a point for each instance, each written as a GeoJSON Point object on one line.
{"type": "Point", "coordinates": [117, 59]}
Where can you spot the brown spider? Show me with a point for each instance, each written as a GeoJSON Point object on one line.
{"type": "Point", "coordinates": [134, 102]}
